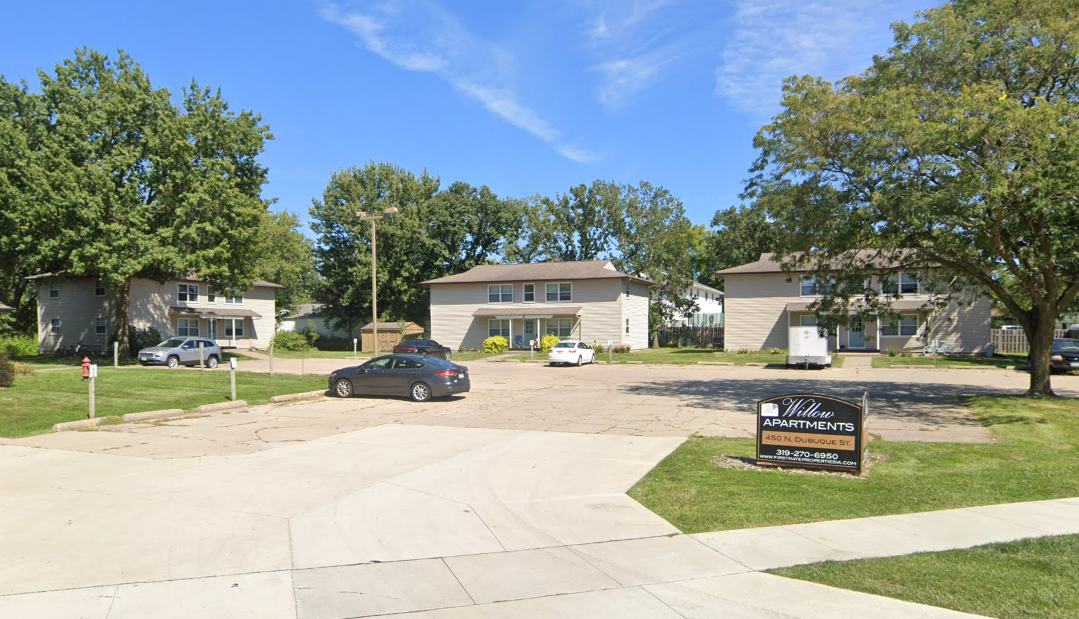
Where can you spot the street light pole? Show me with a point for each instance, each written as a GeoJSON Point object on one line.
{"type": "Point", "coordinates": [374, 286]}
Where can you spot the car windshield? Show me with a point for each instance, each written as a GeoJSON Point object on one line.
{"type": "Point", "coordinates": [566, 345]}
{"type": "Point", "coordinates": [1065, 344]}
{"type": "Point", "coordinates": [172, 342]}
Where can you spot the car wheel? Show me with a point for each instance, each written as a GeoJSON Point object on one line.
{"type": "Point", "coordinates": [420, 392]}
{"type": "Point", "coordinates": [579, 363]}
{"type": "Point", "coordinates": [212, 362]}
{"type": "Point", "coordinates": [449, 356]}
{"type": "Point", "coordinates": [173, 362]}
{"type": "Point", "coordinates": [343, 388]}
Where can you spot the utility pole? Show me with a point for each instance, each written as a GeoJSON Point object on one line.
{"type": "Point", "coordinates": [374, 286]}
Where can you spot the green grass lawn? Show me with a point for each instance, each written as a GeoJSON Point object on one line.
{"type": "Point", "coordinates": [690, 356]}
{"type": "Point", "coordinates": [1037, 457]}
{"type": "Point", "coordinates": [998, 361]}
{"type": "Point", "coordinates": [313, 354]}
{"type": "Point", "coordinates": [480, 355]}
{"type": "Point", "coordinates": [1028, 579]}
{"type": "Point", "coordinates": [34, 403]}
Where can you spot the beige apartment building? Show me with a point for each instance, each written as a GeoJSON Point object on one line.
{"type": "Point", "coordinates": [590, 301]}
{"type": "Point", "coordinates": [74, 310]}
{"type": "Point", "coordinates": [762, 302]}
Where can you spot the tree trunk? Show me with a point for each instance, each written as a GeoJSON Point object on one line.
{"type": "Point", "coordinates": [120, 313]}
{"type": "Point", "coordinates": [1040, 336]}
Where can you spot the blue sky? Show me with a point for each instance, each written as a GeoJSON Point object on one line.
{"type": "Point", "coordinates": [527, 97]}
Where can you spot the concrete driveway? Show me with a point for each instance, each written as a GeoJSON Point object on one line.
{"type": "Point", "coordinates": [508, 502]}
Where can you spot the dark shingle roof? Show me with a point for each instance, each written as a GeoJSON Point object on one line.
{"type": "Point", "coordinates": [768, 264]}
{"type": "Point", "coordinates": [258, 283]}
{"type": "Point", "coordinates": [537, 272]}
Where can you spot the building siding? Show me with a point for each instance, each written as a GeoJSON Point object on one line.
{"type": "Point", "coordinates": [756, 317]}
{"type": "Point", "coordinates": [601, 319]}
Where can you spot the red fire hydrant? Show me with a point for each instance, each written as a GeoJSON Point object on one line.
{"type": "Point", "coordinates": [86, 368]}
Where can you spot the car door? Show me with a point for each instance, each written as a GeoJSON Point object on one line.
{"type": "Point", "coordinates": [189, 352]}
{"type": "Point", "coordinates": [371, 379]}
{"type": "Point", "coordinates": [405, 371]}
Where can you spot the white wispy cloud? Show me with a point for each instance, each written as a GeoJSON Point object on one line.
{"type": "Point", "coordinates": [422, 36]}
{"type": "Point", "coordinates": [634, 43]}
{"type": "Point", "coordinates": [774, 39]}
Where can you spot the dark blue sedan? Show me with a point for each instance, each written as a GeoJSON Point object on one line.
{"type": "Point", "coordinates": [420, 378]}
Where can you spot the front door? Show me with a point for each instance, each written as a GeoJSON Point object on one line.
{"type": "Point", "coordinates": [856, 334]}
{"type": "Point", "coordinates": [529, 332]}
{"type": "Point", "coordinates": [211, 329]}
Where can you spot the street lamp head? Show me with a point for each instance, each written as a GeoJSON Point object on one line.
{"type": "Point", "coordinates": [390, 211]}
{"type": "Point", "coordinates": [361, 214]}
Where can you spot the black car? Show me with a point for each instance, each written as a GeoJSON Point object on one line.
{"type": "Point", "coordinates": [1064, 355]}
{"type": "Point", "coordinates": [420, 378]}
{"type": "Point", "coordinates": [426, 348]}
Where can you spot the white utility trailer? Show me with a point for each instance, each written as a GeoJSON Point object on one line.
{"type": "Point", "coordinates": [808, 348]}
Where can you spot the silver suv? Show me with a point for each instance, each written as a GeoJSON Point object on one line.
{"type": "Point", "coordinates": [181, 350]}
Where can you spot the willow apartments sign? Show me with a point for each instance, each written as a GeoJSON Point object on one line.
{"type": "Point", "coordinates": [813, 431]}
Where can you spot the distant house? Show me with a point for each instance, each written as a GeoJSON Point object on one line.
{"type": "Point", "coordinates": [762, 302]}
{"type": "Point", "coordinates": [707, 307]}
{"type": "Point", "coordinates": [73, 310]}
{"type": "Point", "coordinates": [5, 308]}
{"type": "Point", "coordinates": [308, 314]}
{"type": "Point", "coordinates": [591, 301]}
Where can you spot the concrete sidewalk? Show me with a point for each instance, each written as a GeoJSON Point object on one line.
{"type": "Point", "coordinates": [432, 521]}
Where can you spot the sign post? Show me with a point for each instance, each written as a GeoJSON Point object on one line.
{"type": "Point", "coordinates": [271, 358]}
{"type": "Point", "coordinates": [93, 379]}
{"type": "Point", "coordinates": [610, 351]}
{"type": "Point", "coordinates": [232, 377]}
{"type": "Point", "coordinates": [813, 431]}
{"type": "Point", "coordinates": [201, 356]}
{"type": "Point", "coordinates": [116, 354]}
{"type": "Point", "coordinates": [354, 342]}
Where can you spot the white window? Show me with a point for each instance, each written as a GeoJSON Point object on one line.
{"type": "Point", "coordinates": [99, 288]}
{"type": "Point", "coordinates": [211, 295]}
{"type": "Point", "coordinates": [54, 291]}
{"type": "Point", "coordinates": [811, 287]}
{"type": "Point", "coordinates": [54, 326]}
{"type": "Point", "coordinates": [807, 321]}
{"type": "Point", "coordinates": [239, 328]}
{"type": "Point", "coordinates": [187, 292]}
{"type": "Point", "coordinates": [626, 285]}
{"type": "Point", "coordinates": [187, 327]}
{"type": "Point", "coordinates": [907, 326]}
{"type": "Point", "coordinates": [500, 293]}
{"type": "Point", "coordinates": [902, 283]}
{"type": "Point", "coordinates": [530, 293]}
{"type": "Point", "coordinates": [234, 299]}
{"type": "Point", "coordinates": [498, 327]}
{"type": "Point", "coordinates": [101, 327]}
{"type": "Point", "coordinates": [562, 327]}
{"type": "Point", "coordinates": [559, 292]}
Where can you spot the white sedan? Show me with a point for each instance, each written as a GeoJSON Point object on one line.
{"type": "Point", "coordinates": [572, 352]}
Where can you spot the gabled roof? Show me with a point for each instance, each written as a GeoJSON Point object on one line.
{"type": "Point", "coordinates": [767, 263]}
{"type": "Point", "coordinates": [537, 272]}
{"type": "Point", "coordinates": [258, 283]}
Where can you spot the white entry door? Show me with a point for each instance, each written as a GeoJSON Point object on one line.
{"type": "Point", "coordinates": [529, 332]}
{"type": "Point", "coordinates": [856, 334]}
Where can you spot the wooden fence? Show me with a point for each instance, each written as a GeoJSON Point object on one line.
{"type": "Point", "coordinates": [692, 337]}
{"type": "Point", "coordinates": [1014, 340]}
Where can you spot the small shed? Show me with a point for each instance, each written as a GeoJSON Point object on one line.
{"type": "Point", "coordinates": [390, 334]}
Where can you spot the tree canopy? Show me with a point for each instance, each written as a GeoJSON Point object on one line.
{"type": "Point", "coordinates": [957, 149]}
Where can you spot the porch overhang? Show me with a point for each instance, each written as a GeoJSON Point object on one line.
{"type": "Point", "coordinates": [527, 311]}
{"type": "Point", "coordinates": [901, 306]}
{"type": "Point", "coordinates": [209, 313]}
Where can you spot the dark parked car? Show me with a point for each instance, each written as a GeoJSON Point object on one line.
{"type": "Point", "coordinates": [181, 351]}
{"type": "Point", "coordinates": [426, 348]}
{"type": "Point", "coordinates": [1065, 355]}
{"type": "Point", "coordinates": [420, 378]}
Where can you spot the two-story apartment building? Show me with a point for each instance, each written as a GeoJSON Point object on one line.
{"type": "Point", "coordinates": [762, 302]}
{"type": "Point", "coordinates": [590, 301]}
{"type": "Point", "coordinates": [73, 310]}
{"type": "Point", "coordinates": [707, 307]}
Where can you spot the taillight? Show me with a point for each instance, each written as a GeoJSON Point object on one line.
{"type": "Point", "coordinates": [406, 349]}
{"type": "Point", "coordinates": [572, 350]}
{"type": "Point", "coordinates": [1057, 358]}
{"type": "Point", "coordinates": [447, 373]}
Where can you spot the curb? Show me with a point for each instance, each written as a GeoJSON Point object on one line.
{"type": "Point", "coordinates": [79, 424]}
{"type": "Point", "coordinates": [220, 406]}
{"type": "Point", "coordinates": [289, 397]}
{"type": "Point", "coordinates": [153, 415]}
{"type": "Point", "coordinates": [714, 363]}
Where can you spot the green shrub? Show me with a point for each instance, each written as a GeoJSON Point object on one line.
{"type": "Point", "coordinates": [744, 351]}
{"type": "Point", "coordinates": [496, 343]}
{"type": "Point", "coordinates": [15, 346]}
{"type": "Point", "coordinates": [599, 348]}
{"type": "Point", "coordinates": [621, 348]}
{"type": "Point", "coordinates": [776, 351]}
{"type": "Point", "coordinates": [7, 372]}
{"type": "Point", "coordinates": [335, 343]}
{"type": "Point", "coordinates": [893, 352]}
{"type": "Point", "coordinates": [548, 341]}
{"type": "Point", "coordinates": [290, 340]}
{"type": "Point", "coordinates": [143, 338]}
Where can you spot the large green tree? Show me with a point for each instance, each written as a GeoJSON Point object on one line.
{"type": "Point", "coordinates": [957, 149]}
{"type": "Point", "coordinates": [286, 257]}
{"type": "Point", "coordinates": [741, 235]}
